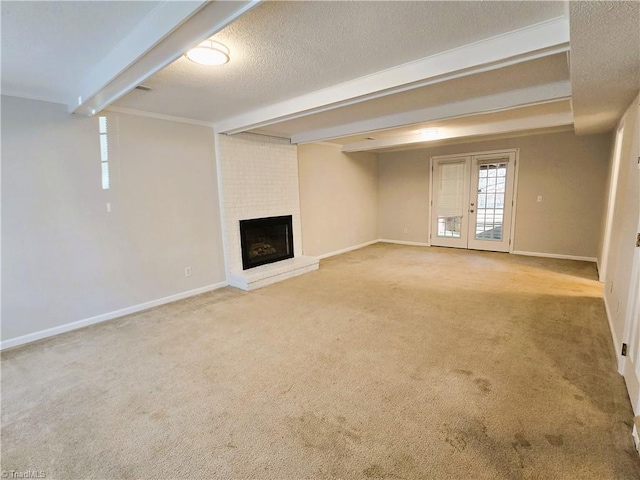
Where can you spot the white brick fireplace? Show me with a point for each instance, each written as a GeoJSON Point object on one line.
{"type": "Point", "coordinates": [258, 178]}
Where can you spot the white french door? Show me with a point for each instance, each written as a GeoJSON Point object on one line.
{"type": "Point", "coordinates": [472, 200]}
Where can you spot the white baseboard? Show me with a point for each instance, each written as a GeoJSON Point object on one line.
{"type": "Point", "coordinates": [404, 242]}
{"type": "Point", "coordinates": [616, 345]}
{"type": "Point", "coordinates": [345, 250]}
{"type": "Point", "coordinates": [600, 276]}
{"type": "Point", "coordinates": [556, 255]}
{"type": "Point", "coordinates": [50, 332]}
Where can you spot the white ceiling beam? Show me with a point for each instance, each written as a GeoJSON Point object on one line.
{"type": "Point", "coordinates": [490, 128]}
{"type": "Point", "coordinates": [551, 92]}
{"type": "Point", "coordinates": [158, 40]}
{"type": "Point", "coordinates": [535, 41]}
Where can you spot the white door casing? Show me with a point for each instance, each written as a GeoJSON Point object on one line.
{"type": "Point", "coordinates": [630, 364]}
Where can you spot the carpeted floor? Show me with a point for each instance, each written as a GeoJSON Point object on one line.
{"type": "Point", "coordinates": [389, 362]}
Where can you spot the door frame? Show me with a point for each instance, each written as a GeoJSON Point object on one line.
{"type": "Point", "coordinates": [614, 173]}
{"type": "Point", "coordinates": [514, 199]}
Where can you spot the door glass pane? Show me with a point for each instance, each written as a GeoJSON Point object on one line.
{"type": "Point", "coordinates": [450, 198]}
{"type": "Point", "coordinates": [492, 179]}
{"type": "Point", "coordinates": [449, 227]}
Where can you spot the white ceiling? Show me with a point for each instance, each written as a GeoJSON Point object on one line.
{"type": "Point", "coordinates": [47, 45]}
{"type": "Point", "coordinates": [315, 71]}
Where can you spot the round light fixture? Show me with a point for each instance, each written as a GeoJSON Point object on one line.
{"type": "Point", "coordinates": [209, 53]}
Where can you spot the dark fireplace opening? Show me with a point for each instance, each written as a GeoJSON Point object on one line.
{"type": "Point", "coordinates": [266, 240]}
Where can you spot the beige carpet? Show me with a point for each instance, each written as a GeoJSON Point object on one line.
{"type": "Point", "coordinates": [389, 362]}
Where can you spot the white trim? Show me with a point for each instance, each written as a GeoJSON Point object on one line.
{"type": "Point", "coordinates": [430, 206]}
{"type": "Point", "coordinates": [345, 250]}
{"type": "Point", "coordinates": [372, 242]}
{"type": "Point", "coordinates": [634, 432]}
{"type": "Point", "coordinates": [223, 218]}
{"type": "Point", "coordinates": [534, 41]}
{"type": "Point", "coordinates": [67, 327]}
{"type": "Point", "coordinates": [487, 152]}
{"type": "Point", "coordinates": [13, 92]}
{"type": "Point", "coordinates": [404, 242]}
{"type": "Point", "coordinates": [616, 160]}
{"type": "Point", "coordinates": [514, 204]}
{"type": "Point", "coordinates": [158, 116]}
{"type": "Point", "coordinates": [555, 255]}
{"type": "Point", "coordinates": [617, 348]}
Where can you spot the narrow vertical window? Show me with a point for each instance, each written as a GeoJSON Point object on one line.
{"type": "Point", "coordinates": [104, 152]}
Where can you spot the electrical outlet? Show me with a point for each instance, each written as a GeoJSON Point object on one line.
{"type": "Point", "coordinates": [108, 206]}
{"type": "Point", "coordinates": [406, 230]}
{"type": "Point", "coordinates": [539, 198]}
{"type": "Point", "coordinates": [187, 271]}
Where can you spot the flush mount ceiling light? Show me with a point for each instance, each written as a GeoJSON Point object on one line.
{"type": "Point", "coordinates": [209, 53]}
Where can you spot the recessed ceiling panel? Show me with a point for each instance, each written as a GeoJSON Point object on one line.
{"type": "Point", "coordinates": [523, 75]}
{"type": "Point", "coordinates": [464, 125]}
{"type": "Point", "coordinates": [514, 113]}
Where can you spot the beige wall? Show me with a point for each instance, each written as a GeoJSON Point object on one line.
{"type": "Point", "coordinates": [338, 198]}
{"type": "Point", "coordinates": [403, 196]}
{"type": "Point", "coordinates": [626, 211]}
{"type": "Point", "coordinates": [568, 171]}
{"type": "Point", "coordinates": [64, 257]}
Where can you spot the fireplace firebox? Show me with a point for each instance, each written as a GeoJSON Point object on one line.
{"type": "Point", "coordinates": [266, 240]}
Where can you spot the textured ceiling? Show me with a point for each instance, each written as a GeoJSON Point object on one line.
{"type": "Point", "coordinates": [280, 50]}
{"type": "Point", "coordinates": [47, 45]}
{"type": "Point", "coordinates": [544, 70]}
{"type": "Point", "coordinates": [605, 62]}
{"type": "Point", "coordinates": [283, 49]}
